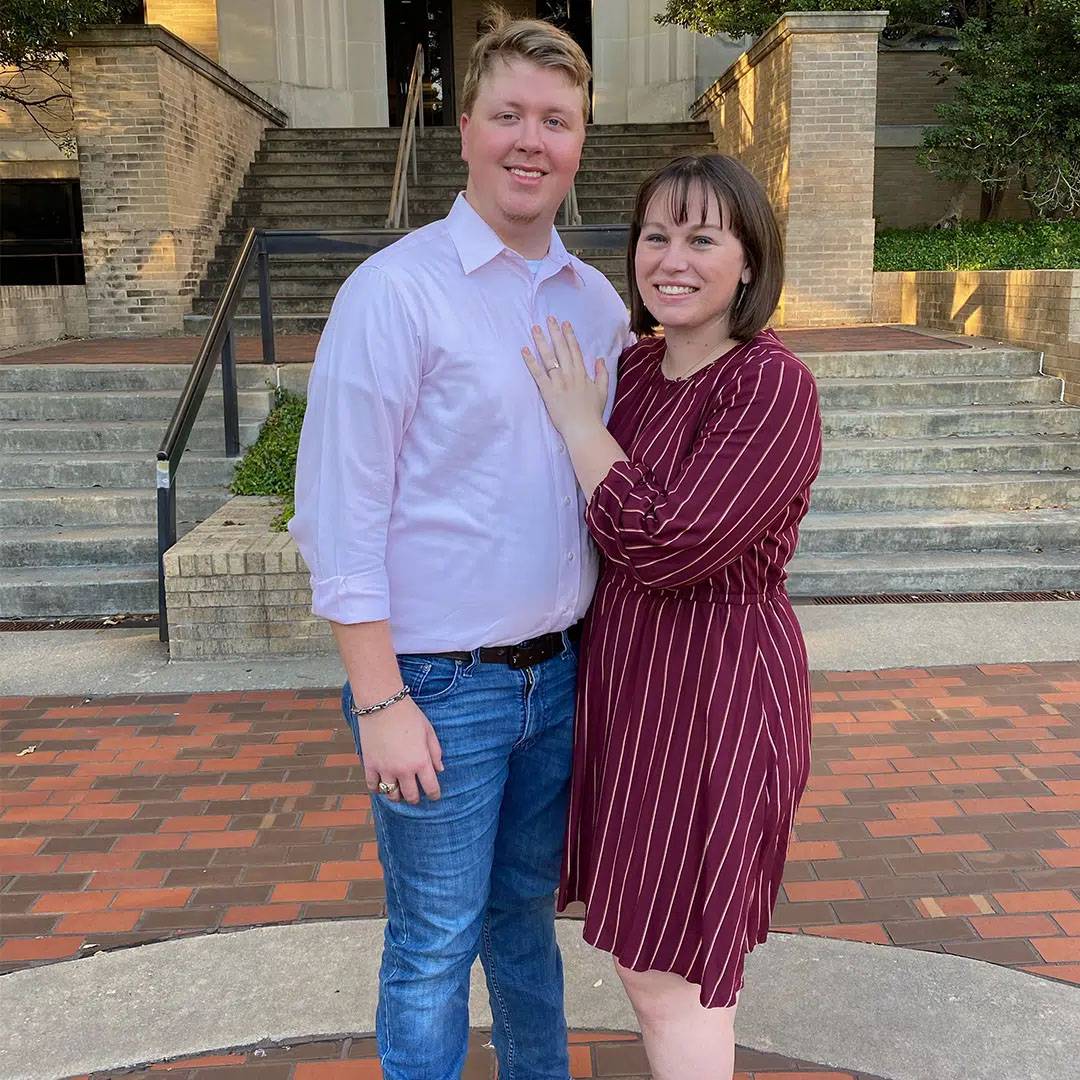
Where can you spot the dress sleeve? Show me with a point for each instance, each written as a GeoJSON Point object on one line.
{"type": "Point", "coordinates": [361, 396]}
{"type": "Point", "coordinates": [758, 449]}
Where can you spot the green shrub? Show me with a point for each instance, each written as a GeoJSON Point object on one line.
{"type": "Point", "coordinates": [988, 245]}
{"type": "Point", "coordinates": [269, 466]}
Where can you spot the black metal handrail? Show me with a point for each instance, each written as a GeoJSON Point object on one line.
{"type": "Point", "coordinates": [219, 342]}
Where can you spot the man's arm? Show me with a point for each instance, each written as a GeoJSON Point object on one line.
{"type": "Point", "coordinates": [398, 742]}
{"type": "Point", "coordinates": [361, 396]}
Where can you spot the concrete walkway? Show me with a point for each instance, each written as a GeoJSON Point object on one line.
{"type": "Point", "coordinates": [901, 1014]}
{"type": "Point", "coordinates": [857, 637]}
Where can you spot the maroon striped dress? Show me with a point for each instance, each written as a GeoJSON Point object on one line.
{"type": "Point", "coordinates": [693, 723]}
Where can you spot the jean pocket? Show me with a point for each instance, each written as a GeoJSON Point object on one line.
{"type": "Point", "coordinates": [428, 677]}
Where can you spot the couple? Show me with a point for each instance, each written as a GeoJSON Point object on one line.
{"type": "Point", "coordinates": [454, 474]}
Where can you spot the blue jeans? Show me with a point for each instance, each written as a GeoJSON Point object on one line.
{"type": "Point", "coordinates": [476, 871]}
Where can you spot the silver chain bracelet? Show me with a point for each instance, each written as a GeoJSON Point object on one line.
{"type": "Point", "coordinates": [404, 692]}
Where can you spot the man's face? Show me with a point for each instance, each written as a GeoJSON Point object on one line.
{"type": "Point", "coordinates": [522, 142]}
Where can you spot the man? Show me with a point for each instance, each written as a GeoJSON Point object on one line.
{"type": "Point", "coordinates": [439, 514]}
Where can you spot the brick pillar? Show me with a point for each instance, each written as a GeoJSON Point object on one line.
{"type": "Point", "coordinates": [798, 108]}
{"type": "Point", "coordinates": [165, 138]}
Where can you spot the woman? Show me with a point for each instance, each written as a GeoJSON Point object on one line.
{"type": "Point", "coordinates": [693, 726]}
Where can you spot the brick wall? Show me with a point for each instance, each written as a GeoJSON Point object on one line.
{"type": "Point", "coordinates": [194, 21]}
{"type": "Point", "coordinates": [798, 109]}
{"type": "Point", "coordinates": [236, 589]}
{"type": "Point", "coordinates": [165, 138]}
{"type": "Point", "coordinates": [25, 150]}
{"type": "Point", "coordinates": [906, 194]}
{"type": "Point", "coordinates": [1038, 309]}
{"type": "Point", "coordinates": [33, 313]}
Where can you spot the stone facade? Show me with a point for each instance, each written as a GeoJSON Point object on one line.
{"type": "Point", "coordinates": [165, 138]}
{"type": "Point", "coordinates": [32, 313]}
{"type": "Point", "coordinates": [798, 109]}
{"type": "Point", "coordinates": [1039, 309]}
{"type": "Point", "coordinates": [234, 588]}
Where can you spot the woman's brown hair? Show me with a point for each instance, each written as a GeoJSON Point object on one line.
{"type": "Point", "coordinates": [745, 209]}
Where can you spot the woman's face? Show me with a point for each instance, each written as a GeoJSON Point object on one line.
{"type": "Point", "coordinates": [688, 274]}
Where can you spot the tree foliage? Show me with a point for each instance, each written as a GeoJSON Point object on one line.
{"type": "Point", "coordinates": [1013, 66]}
{"type": "Point", "coordinates": [33, 65]}
{"type": "Point", "coordinates": [1014, 117]}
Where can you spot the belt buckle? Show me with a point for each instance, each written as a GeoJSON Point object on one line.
{"type": "Point", "coordinates": [524, 656]}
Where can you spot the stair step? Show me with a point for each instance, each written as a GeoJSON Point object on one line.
{"type": "Point", "coordinates": [970, 390]}
{"type": "Point", "coordinates": [110, 407]}
{"type": "Point", "coordinates": [1000, 454]}
{"type": "Point", "coordinates": [865, 492]}
{"type": "Point", "coordinates": [929, 363]}
{"type": "Point", "coordinates": [102, 506]}
{"type": "Point", "coordinates": [34, 436]}
{"type": "Point", "coordinates": [847, 574]}
{"type": "Point", "coordinates": [98, 378]}
{"type": "Point", "coordinates": [1033, 531]}
{"type": "Point", "coordinates": [86, 545]}
{"type": "Point", "coordinates": [44, 592]}
{"type": "Point", "coordinates": [917, 421]}
{"type": "Point", "coordinates": [133, 469]}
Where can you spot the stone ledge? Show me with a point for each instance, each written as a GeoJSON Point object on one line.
{"type": "Point", "coordinates": [789, 24]}
{"type": "Point", "coordinates": [125, 36]}
{"type": "Point", "coordinates": [236, 589]}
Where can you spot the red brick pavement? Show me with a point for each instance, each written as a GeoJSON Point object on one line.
{"type": "Point", "coordinates": [300, 348]}
{"type": "Point", "coordinates": [943, 813]}
{"type": "Point", "coordinates": [614, 1055]}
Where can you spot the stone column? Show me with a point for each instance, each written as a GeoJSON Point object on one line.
{"type": "Point", "coordinates": [798, 109]}
{"type": "Point", "coordinates": [165, 138]}
{"type": "Point", "coordinates": [321, 61]}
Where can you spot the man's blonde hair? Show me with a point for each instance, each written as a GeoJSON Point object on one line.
{"type": "Point", "coordinates": [534, 40]}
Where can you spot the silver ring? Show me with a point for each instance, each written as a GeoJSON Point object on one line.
{"type": "Point", "coordinates": [553, 366]}
{"type": "Point", "coordinates": [387, 789]}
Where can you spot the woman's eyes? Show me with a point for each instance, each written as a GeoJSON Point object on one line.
{"type": "Point", "coordinates": [657, 238]}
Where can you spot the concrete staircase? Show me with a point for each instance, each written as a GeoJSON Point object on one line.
{"type": "Point", "coordinates": [340, 179]}
{"type": "Point", "coordinates": [78, 532]}
{"type": "Point", "coordinates": [944, 471]}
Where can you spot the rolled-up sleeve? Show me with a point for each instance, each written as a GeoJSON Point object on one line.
{"type": "Point", "coordinates": [753, 456]}
{"type": "Point", "coordinates": [361, 396]}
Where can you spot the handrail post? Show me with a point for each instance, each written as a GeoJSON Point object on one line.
{"type": "Point", "coordinates": [228, 387]}
{"type": "Point", "coordinates": [266, 318]}
{"type": "Point", "coordinates": [166, 529]}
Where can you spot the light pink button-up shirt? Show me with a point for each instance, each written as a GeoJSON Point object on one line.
{"type": "Point", "coordinates": [431, 487]}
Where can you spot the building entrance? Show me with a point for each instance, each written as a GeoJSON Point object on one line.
{"type": "Point", "coordinates": [448, 30]}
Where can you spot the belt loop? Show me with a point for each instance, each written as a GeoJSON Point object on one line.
{"type": "Point", "coordinates": [475, 654]}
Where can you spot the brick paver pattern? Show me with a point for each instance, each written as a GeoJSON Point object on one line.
{"type": "Point", "coordinates": [943, 813]}
{"type": "Point", "coordinates": [606, 1055]}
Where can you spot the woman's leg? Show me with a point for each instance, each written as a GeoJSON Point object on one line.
{"type": "Point", "coordinates": [684, 1040]}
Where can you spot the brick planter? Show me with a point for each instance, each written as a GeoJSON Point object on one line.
{"type": "Point", "coordinates": [235, 588]}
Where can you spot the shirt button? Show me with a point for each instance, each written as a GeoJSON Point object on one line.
{"type": "Point", "coordinates": [566, 500]}
{"type": "Point", "coordinates": [569, 556]}
{"type": "Point", "coordinates": [562, 448]}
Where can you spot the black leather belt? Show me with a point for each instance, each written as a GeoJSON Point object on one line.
{"type": "Point", "coordinates": [522, 655]}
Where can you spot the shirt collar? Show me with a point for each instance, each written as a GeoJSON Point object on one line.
{"type": "Point", "coordinates": [477, 243]}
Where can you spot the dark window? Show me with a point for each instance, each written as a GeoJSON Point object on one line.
{"type": "Point", "coordinates": [134, 12]}
{"type": "Point", "coordinates": [40, 232]}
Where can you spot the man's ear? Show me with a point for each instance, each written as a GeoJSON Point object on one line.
{"type": "Point", "coordinates": [463, 125]}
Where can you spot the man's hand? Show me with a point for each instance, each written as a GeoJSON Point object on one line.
{"type": "Point", "coordinates": [399, 744]}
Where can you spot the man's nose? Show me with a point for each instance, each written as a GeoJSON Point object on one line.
{"type": "Point", "coordinates": [529, 136]}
